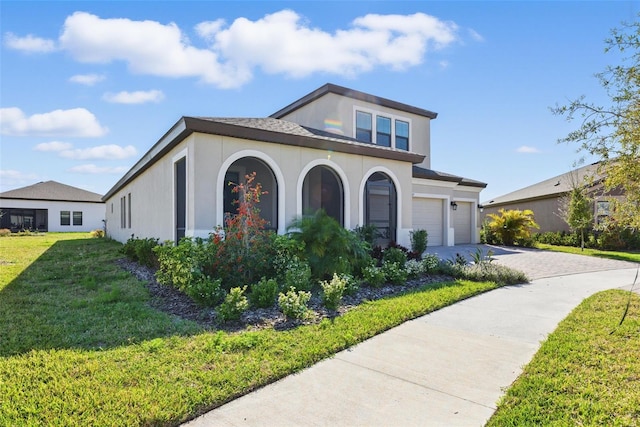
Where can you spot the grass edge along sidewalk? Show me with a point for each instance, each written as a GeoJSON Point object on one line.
{"type": "Point", "coordinates": [587, 372]}
{"type": "Point", "coordinates": [107, 358]}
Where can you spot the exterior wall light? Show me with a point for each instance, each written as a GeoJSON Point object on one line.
{"type": "Point", "coordinates": [454, 206]}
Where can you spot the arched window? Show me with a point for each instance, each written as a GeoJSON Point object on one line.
{"type": "Point", "coordinates": [381, 207]}
{"type": "Point", "coordinates": [264, 175]}
{"type": "Point", "coordinates": [322, 189]}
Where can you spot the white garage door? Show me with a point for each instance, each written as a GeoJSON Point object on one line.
{"type": "Point", "coordinates": [427, 215]}
{"type": "Point", "coordinates": [462, 223]}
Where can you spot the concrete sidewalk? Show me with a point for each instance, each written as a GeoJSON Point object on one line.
{"type": "Point", "coordinates": [447, 368]}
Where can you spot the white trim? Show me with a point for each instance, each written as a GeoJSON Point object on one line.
{"type": "Point", "coordinates": [398, 189]}
{"type": "Point", "coordinates": [274, 168]}
{"type": "Point", "coordinates": [474, 217]}
{"type": "Point", "coordinates": [434, 183]}
{"type": "Point", "coordinates": [345, 187]}
{"type": "Point", "coordinates": [447, 230]}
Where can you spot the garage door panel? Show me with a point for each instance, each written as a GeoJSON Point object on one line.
{"type": "Point", "coordinates": [427, 215]}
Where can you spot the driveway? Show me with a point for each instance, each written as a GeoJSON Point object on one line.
{"type": "Point", "coordinates": [448, 368]}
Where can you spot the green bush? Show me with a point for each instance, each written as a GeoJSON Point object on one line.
{"type": "Point", "coordinates": [141, 251]}
{"type": "Point", "coordinates": [351, 284]}
{"type": "Point", "coordinates": [293, 304]}
{"type": "Point", "coordinates": [181, 265]}
{"type": "Point", "coordinates": [332, 292]}
{"type": "Point", "coordinates": [367, 233]}
{"type": "Point", "coordinates": [235, 303]}
{"type": "Point", "coordinates": [394, 255]}
{"type": "Point", "coordinates": [414, 268]}
{"type": "Point", "coordinates": [512, 226]}
{"type": "Point", "coordinates": [394, 273]}
{"type": "Point", "coordinates": [430, 263]}
{"type": "Point", "coordinates": [485, 272]}
{"type": "Point", "coordinates": [373, 276]}
{"type": "Point", "coordinates": [419, 241]}
{"type": "Point", "coordinates": [264, 293]}
{"type": "Point", "coordinates": [285, 249]}
{"type": "Point", "coordinates": [298, 275]}
{"type": "Point", "coordinates": [205, 290]}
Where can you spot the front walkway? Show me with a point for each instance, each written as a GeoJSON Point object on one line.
{"type": "Point", "coordinates": [448, 368]}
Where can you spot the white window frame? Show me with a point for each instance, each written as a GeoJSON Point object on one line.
{"type": "Point", "coordinates": [374, 125]}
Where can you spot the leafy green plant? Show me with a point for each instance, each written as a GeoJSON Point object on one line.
{"type": "Point", "coordinates": [414, 268]}
{"type": "Point", "coordinates": [351, 284]}
{"type": "Point", "coordinates": [332, 291]}
{"type": "Point", "coordinates": [394, 273]}
{"type": "Point", "coordinates": [298, 275]}
{"type": "Point", "coordinates": [141, 251]}
{"type": "Point", "coordinates": [373, 276]}
{"type": "Point", "coordinates": [293, 304]}
{"type": "Point", "coordinates": [394, 255]}
{"type": "Point", "coordinates": [430, 263]}
{"type": "Point", "coordinates": [419, 240]}
{"type": "Point", "coordinates": [513, 226]}
{"type": "Point", "coordinates": [367, 233]}
{"type": "Point", "coordinates": [205, 290]}
{"type": "Point", "coordinates": [235, 303]}
{"type": "Point", "coordinates": [264, 293]}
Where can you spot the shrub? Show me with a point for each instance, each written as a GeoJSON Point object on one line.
{"type": "Point", "coordinates": [374, 276]}
{"type": "Point", "coordinates": [141, 251]}
{"type": "Point", "coordinates": [298, 275]}
{"type": "Point", "coordinates": [234, 304]}
{"type": "Point", "coordinates": [263, 294]}
{"type": "Point", "coordinates": [512, 226]}
{"type": "Point", "coordinates": [367, 233]}
{"type": "Point", "coordinates": [419, 241]}
{"type": "Point", "coordinates": [430, 263]}
{"type": "Point", "coordinates": [294, 304]}
{"type": "Point", "coordinates": [328, 247]}
{"type": "Point", "coordinates": [414, 268]}
{"type": "Point", "coordinates": [205, 290]}
{"type": "Point", "coordinates": [4, 232]}
{"type": "Point", "coordinates": [332, 292]}
{"type": "Point", "coordinates": [97, 233]}
{"type": "Point", "coordinates": [180, 265]}
{"type": "Point", "coordinates": [394, 255]}
{"type": "Point", "coordinates": [285, 249]}
{"type": "Point", "coordinates": [485, 272]}
{"type": "Point", "coordinates": [394, 273]}
{"type": "Point", "coordinates": [351, 284]}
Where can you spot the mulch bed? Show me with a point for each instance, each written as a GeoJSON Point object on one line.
{"type": "Point", "coordinates": [174, 302]}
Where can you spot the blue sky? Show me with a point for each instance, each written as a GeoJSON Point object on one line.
{"type": "Point", "coordinates": [86, 88]}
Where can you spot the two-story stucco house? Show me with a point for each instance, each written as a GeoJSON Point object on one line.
{"type": "Point", "coordinates": [361, 158]}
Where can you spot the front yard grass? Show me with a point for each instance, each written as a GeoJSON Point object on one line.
{"type": "Point", "coordinates": [587, 372]}
{"type": "Point", "coordinates": [619, 255]}
{"type": "Point", "coordinates": [80, 345]}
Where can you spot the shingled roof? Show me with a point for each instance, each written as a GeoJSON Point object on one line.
{"type": "Point", "coordinates": [552, 187]}
{"type": "Point", "coordinates": [423, 173]}
{"type": "Point", "coordinates": [52, 191]}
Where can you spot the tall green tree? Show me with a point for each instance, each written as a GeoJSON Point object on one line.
{"type": "Point", "coordinates": [579, 213]}
{"type": "Point", "coordinates": [612, 132]}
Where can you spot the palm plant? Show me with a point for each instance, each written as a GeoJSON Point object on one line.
{"type": "Point", "coordinates": [512, 225]}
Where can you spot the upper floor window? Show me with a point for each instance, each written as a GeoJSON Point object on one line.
{"type": "Point", "coordinates": [364, 128]}
{"type": "Point", "coordinates": [383, 131]}
{"type": "Point", "coordinates": [402, 135]}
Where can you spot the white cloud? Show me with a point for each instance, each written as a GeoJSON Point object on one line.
{"type": "Point", "coordinates": [527, 149]}
{"type": "Point", "coordinates": [53, 146]}
{"type": "Point", "coordinates": [93, 169]}
{"type": "Point", "coordinates": [87, 79]}
{"type": "Point", "coordinates": [29, 43]}
{"type": "Point", "coordinates": [475, 35]}
{"type": "Point", "coordinates": [11, 178]}
{"type": "Point", "coordinates": [76, 122]}
{"type": "Point", "coordinates": [279, 43]}
{"type": "Point", "coordinates": [137, 97]}
{"type": "Point", "coordinates": [102, 152]}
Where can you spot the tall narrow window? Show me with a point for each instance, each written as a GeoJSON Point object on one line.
{"type": "Point", "coordinates": [123, 213]}
{"type": "Point", "coordinates": [129, 209]}
{"type": "Point", "coordinates": [77, 217]}
{"type": "Point", "coordinates": [402, 135]}
{"type": "Point", "coordinates": [180, 197]}
{"type": "Point", "coordinates": [364, 126]}
{"type": "Point", "coordinates": [383, 131]}
{"type": "Point", "coordinates": [65, 218]}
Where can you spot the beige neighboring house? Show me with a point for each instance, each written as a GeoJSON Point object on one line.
{"type": "Point", "coordinates": [544, 198]}
{"type": "Point", "coordinates": [51, 206]}
{"type": "Point", "coordinates": [362, 158]}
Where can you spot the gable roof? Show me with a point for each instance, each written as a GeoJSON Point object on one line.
{"type": "Point", "coordinates": [549, 188]}
{"type": "Point", "coordinates": [269, 130]}
{"type": "Point", "coordinates": [52, 191]}
{"type": "Point", "coordinates": [423, 173]}
{"type": "Point", "coordinates": [354, 94]}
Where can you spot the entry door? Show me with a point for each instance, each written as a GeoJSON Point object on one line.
{"type": "Point", "coordinates": [381, 203]}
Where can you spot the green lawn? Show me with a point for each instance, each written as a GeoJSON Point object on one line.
{"type": "Point", "coordinates": [80, 345]}
{"type": "Point", "coordinates": [587, 372]}
{"type": "Point", "coordinates": [622, 256]}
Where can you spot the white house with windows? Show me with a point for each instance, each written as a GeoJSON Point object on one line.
{"type": "Point", "coordinates": [51, 206]}
{"type": "Point", "coordinates": [362, 158]}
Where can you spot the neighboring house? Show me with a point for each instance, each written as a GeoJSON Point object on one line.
{"type": "Point", "coordinates": [545, 198]}
{"type": "Point", "coordinates": [51, 206]}
{"type": "Point", "coordinates": [362, 158]}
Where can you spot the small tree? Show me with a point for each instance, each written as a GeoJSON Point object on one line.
{"type": "Point", "coordinates": [579, 215]}
{"type": "Point", "coordinates": [512, 225]}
